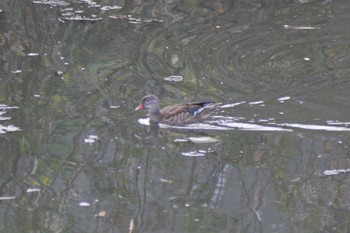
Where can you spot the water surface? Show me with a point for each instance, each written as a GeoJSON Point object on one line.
{"type": "Point", "coordinates": [75, 157]}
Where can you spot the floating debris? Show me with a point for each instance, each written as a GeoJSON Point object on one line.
{"type": "Point", "coordinates": [286, 26]}
{"type": "Point", "coordinates": [67, 14]}
{"type": "Point", "coordinates": [132, 226]}
{"type": "Point", "coordinates": [107, 8]}
{"type": "Point", "coordinates": [80, 18]}
{"type": "Point", "coordinates": [16, 71]}
{"type": "Point", "coordinates": [193, 154]}
{"type": "Point", "coordinates": [118, 16]}
{"type": "Point", "coordinates": [335, 171]}
{"type": "Point", "coordinates": [59, 73]}
{"type": "Point", "coordinates": [282, 99]}
{"type": "Point", "coordinates": [174, 78]}
{"type": "Point", "coordinates": [182, 140]}
{"type": "Point", "coordinates": [32, 54]}
{"type": "Point", "coordinates": [263, 120]}
{"type": "Point", "coordinates": [153, 21]}
{"type": "Point", "coordinates": [256, 102]}
{"type": "Point", "coordinates": [114, 106]}
{"type": "Point", "coordinates": [197, 140]}
{"type": "Point", "coordinates": [91, 139]}
{"type": "Point", "coordinates": [102, 213]}
{"type": "Point", "coordinates": [133, 20]}
{"type": "Point", "coordinates": [67, 9]}
{"type": "Point", "coordinates": [91, 3]}
{"type": "Point", "coordinates": [198, 153]}
{"type": "Point", "coordinates": [84, 204]}
{"type": "Point", "coordinates": [32, 190]}
{"type": "Point", "coordinates": [203, 139]}
{"type": "Point", "coordinates": [166, 181]}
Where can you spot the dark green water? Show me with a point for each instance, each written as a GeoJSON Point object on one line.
{"type": "Point", "coordinates": [75, 157]}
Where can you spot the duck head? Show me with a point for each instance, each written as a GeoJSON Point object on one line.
{"type": "Point", "coordinates": [150, 102]}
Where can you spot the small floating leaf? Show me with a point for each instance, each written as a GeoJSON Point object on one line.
{"type": "Point", "coordinates": [31, 190]}
{"type": "Point", "coordinates": [32, 54]}
{"type": "Point", "coordinates": [16, 71]}
{"type": "Point", "coordinates": [84, 203]}
{"type": "Point", "coordinates": [284, 98]}
{"type": "Point", "coordinates": [102, 213]}
{"type": "Point", "coordinates": [203, 139]}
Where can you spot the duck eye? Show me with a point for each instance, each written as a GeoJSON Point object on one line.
{"type": "Point", "coordinates": [148, 100]}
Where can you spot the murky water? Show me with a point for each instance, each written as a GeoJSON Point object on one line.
{"type": "Point", "coordinates": [75, 157]}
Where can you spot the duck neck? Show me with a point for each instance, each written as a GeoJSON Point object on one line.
{"type": "Point", "coordinates": [155, 115]}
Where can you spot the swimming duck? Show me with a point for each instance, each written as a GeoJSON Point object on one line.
{"type": "Point", "coordinates": [179, 114]}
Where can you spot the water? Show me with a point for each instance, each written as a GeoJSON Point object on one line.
{"type": "Point", "coordinates": [75, 157]}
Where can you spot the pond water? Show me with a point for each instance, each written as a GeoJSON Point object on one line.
{"type": "Point", "coordinates": [75, 157]}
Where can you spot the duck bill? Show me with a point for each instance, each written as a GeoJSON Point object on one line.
{"type": "Point", "coordinates": [141, 106]}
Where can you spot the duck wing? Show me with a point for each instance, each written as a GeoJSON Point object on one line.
{"type": "Point", "coordinates": [182, 114]}
{"type": "Point", "coordinates": [192, 109]}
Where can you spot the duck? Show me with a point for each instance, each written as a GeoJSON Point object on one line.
{"type": "Point", "coordinates": [179, 114]}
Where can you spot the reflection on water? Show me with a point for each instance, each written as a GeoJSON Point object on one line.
{"type": "Point", "coordinates": [4, 118]}
{"type": "Point", "coordinates": [75, 158]}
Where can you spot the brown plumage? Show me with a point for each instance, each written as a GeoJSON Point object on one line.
{"type": "Point", "coordinates": [179, 114]}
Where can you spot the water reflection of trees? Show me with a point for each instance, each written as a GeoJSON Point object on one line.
{"type": "Point", "coordinates": [251, 181]}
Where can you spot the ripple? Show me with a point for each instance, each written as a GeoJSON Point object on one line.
{"type": "Point", "coordinates": [52, 3]}
{"type": "Point", "coordinates": [258, 57]}
{"type": "Point", "coordinates": [254, 59]}
{"type": "Point", "coordinates": [221, 123]}
{"type": "Point", "coordinates": [316, 127]}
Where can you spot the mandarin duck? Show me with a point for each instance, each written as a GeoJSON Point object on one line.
{"type": "Point", "coordinates": [179, 114]}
